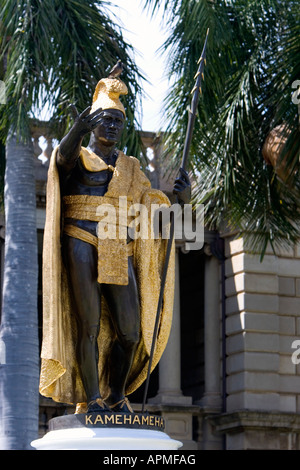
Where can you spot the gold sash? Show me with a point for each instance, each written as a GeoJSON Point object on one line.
{"type": "Point", "coordinates": [113, 251]}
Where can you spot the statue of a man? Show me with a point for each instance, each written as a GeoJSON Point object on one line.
{"type": "Point", "coordinates": [100, 294]}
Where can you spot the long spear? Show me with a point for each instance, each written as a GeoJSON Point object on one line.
{"type": "Point", "coordinates": [187, 144]}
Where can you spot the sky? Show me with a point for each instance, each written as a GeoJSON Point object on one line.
{"type": "Point", "coordinates": [146, 35]}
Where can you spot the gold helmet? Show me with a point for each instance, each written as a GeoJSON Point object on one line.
{"type": "Point", "coordinates": [107, 94]}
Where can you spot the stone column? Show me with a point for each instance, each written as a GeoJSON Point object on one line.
{"type": "Point", "coordinates": [176, 409]}
{"type": "Point", "coordinates": [170, 364]}
{"type": "Point", "coordinates": [212, 341]}
{"type": "Point", "coordinates": [211, 402]}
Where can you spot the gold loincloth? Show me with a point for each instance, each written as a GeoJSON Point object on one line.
{"type": "Point", "coordinates": [112, 250]}
{"type": "Point", "coordinates": [85, 236]}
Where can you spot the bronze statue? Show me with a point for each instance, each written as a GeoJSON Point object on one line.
{"type": "Point", "coordinates": [100, 295]}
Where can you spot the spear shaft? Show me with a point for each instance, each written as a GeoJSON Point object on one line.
{"type": "Point", "coordinates": [187, 144]}
{"type": "Point", "coordinates": [193, 110]}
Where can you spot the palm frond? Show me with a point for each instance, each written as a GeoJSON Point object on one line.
{"type": "Point", "coordinates": [56, 53]}
{"type": "Point", "coordinates": [252, 61]}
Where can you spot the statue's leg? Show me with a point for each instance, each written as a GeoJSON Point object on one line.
{"type": "Point", "coordinates": [81, 261]}
{"type": "Point", "coordinates": [123, 303]}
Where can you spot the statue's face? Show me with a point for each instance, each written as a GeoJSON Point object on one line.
{"type": "Point", "coordinates": [110, 127]}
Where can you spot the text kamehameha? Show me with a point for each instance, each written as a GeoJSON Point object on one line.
{"type": "Point", "coordinates": [123, 419]}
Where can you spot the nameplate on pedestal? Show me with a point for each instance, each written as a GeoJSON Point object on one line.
{"type": "Point", "coordinates": [108, 419]}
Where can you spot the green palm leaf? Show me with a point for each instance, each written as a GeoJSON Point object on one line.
{"type": "Point", "coordinates": [56, 52]}
{"type": "Point", "coordinates": [252, 62]}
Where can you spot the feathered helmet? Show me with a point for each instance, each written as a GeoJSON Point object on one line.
{"type": "Point", "coordinates": [107, 94]}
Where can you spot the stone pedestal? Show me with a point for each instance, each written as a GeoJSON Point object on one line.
{"type": "Point", "coordinates": [106, 431]}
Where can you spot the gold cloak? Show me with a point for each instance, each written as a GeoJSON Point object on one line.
{"type": "Point", "coordinates": [59, 378]}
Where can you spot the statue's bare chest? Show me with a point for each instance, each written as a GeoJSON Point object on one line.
{"type": "Point", "coordinates": [82, 181]}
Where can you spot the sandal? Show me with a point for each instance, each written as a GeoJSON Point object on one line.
{"type": "Point", "coordinates": [122, 406]}
{"type": "Point", "coordinates": [97, 405]}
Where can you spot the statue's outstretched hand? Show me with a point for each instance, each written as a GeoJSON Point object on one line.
{"type": "Point", "coordinates": [182, 187]}
{"type": "Point", "coordinates": [85, 122]}
{"type": "Point", "coordinates": [70, 145]}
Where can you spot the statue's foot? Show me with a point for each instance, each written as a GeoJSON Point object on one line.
{"type": "Point", "coordinates": [97, 406]}
{"type": "Point", "coordinates": [122, 406]}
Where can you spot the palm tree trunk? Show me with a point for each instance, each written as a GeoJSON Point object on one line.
{"type": "Point", "coordinates": [19, 398]}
